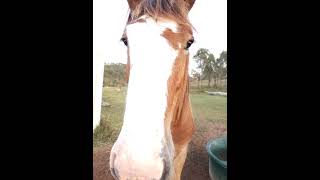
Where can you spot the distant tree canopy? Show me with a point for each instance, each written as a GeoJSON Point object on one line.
{"type": "Point", "coordinates": [114, 74]}
{"type": "Point", "coordinates": [211, 67]}
{"type": "Point", "coordinates": [196, 75]}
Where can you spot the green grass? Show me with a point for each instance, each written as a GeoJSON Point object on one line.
{"type": "Point", "coordinates": [111, 117]}
{"type": "Point", "coordinates": [222, 86]}
{"type": "Point", "coordinates": [204, 108]}
{"type": "Point", "coordinates": [209, 108]}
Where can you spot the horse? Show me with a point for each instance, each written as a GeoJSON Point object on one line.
{"type": "Point", "coordinates": [158, 123]}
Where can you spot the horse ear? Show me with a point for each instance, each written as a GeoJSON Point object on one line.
{"type": "Point", "coordinates": [133, 3]}
{"type": "Point", "coordinates": [190, 3]}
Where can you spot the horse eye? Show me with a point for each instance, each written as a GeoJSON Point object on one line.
{"type": "Point", "coordinates": [125, 41]}
{"type": "Point", "coordinates": [189, 43]}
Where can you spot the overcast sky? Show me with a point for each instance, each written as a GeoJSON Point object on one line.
{"type": "Point", "coordinates": [209, 17]}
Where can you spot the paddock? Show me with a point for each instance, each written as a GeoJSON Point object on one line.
{"type": "Point", "coordinates": [210, 113]}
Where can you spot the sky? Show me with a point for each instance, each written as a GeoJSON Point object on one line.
{"type": "Point", "coordinates": [209, 18]}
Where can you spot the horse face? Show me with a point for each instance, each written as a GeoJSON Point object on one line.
{"type": "Point", "coordinates": [144, 147]}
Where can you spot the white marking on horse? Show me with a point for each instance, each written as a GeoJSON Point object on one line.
{"type": "Point", "coordinates": [143, 133]}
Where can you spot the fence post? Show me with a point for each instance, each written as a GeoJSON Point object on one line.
{"type": "Point", "coordinates": [108, 24]}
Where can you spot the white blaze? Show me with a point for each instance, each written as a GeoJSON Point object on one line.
{"type": "Point", "coordinates": [152, 58]}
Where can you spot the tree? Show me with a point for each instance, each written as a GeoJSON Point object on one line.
{"type": "Point", "coordinates": [206, 63]}
{"type": "Point", "coordinates": [196, 75]}
{"type": "Point", "coordinates": [223, 55]}
{"type": "Point", "coordinates": [211, 67]}
{"type": "Point", "coordinates": [200, 58]}
{"type": "Point", "coordinates": [222, 65]}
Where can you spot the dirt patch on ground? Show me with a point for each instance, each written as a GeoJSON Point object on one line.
{"type": "Point", "coordinates": [197, 162]}
{"type": "Point", "coordinates": [101, 163]}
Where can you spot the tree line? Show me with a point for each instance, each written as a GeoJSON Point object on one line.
{"type": "Point", "coordinates": [210, 68]}
{"type": "Point", "coordinates": [114, 74]}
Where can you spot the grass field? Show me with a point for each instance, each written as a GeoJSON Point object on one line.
{"type": "Point", "coordinates": [203, 86]}
{"type": "Point", "coordinates": [204, 108]}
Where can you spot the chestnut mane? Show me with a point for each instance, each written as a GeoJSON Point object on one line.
{"type": "Point", "coordinates": [176, 10]}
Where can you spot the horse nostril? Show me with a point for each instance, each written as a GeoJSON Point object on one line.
{"type": "Point", "coordinates": [114, 171]}
{"type": "Point", "coordinates": [165, 171]}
